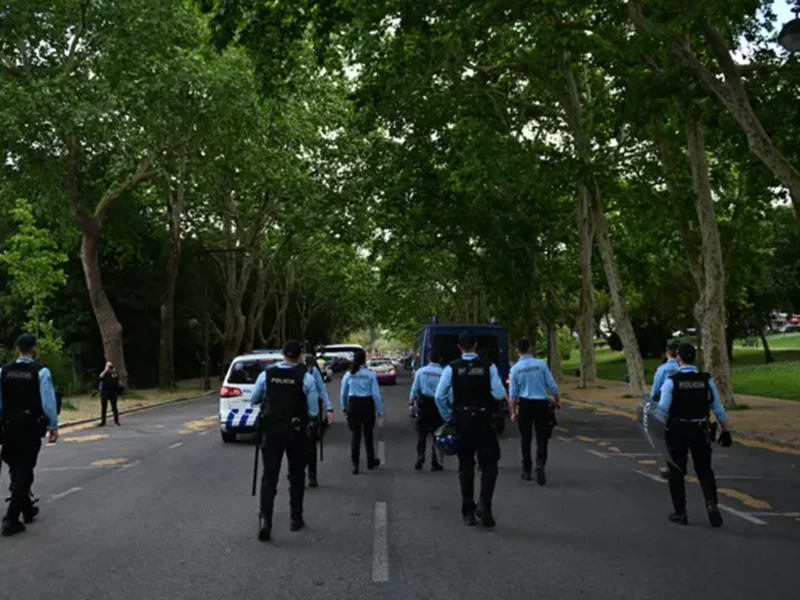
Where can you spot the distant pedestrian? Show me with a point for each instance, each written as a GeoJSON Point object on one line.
{"type": "Point", "coordinates": [110, 390]}
{"type": "Point", "coordinates": [361, 402]}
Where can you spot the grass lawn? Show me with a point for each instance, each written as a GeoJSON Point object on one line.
{"type": "Point", "coordinates": [751, 376]}
{"type": "Point", "coordinates": [74, 408]}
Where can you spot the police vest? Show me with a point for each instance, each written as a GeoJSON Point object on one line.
{"type": "Point", "coordinates": [22, 400]}
{"type": "Point", "coordinates": [691, 396]}
{"type": "Point", "coordinates": [472, 384]}
{"type": "Point", "coordinates": [287, 399]}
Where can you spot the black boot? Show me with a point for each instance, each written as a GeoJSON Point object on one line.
{"type": "Point", "coordinates": [297, 524]}
{"type": "Point", "coordinates": [375, 462]}
{"type": "Point", "coordinates": [419, 463]}
{"type": "Point", "coordinates": [526, 475]}
{"type": "Point", "coordinates": [469, 520]}
{"type": "Point", "coordinates": [679, 518]}
{"type": "Point", "coordinates": [264, 528]}
{"type": "Point", "coordinates": [30, 514]}
{"type": "Point", "coordinates": [355, 469]}
{"type": "Point", "coordinates": [714, 516]}
{"type": "Point", "coordinates": [436, 466]}
{"type": "Point", "coordinates": [540, 477]}
{"type": "Point", "coordinates": [484, 514]}
{"type": "Point", "coordinates": [11, 527]}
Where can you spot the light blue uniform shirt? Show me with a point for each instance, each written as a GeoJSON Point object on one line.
{"type": "Point", "coordinates": [322, 390]}
{"type": "Point", "coordinates": [666, 396]}
{"type": "Point", "coordinates": [309, 389]}
{"type": "Point", "coordinates": [662, 374]}
{"type": "Point", "coordinates": [531, 379]}
{"type": "Point", "coordinates": [46, 391]}
{"type": "Point", "coordinates": [444, 391]}
{"type": "Point", "coordinates": [362, 385]}
{"type": "Point", "coordinates": [426, 380]}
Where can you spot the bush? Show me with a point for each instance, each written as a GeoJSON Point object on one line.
{"type": "Point", "coordinates": [566, 343]}
{"type": "Point", "coordinates": [60, 367]}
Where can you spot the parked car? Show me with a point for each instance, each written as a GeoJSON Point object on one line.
{"type": "Point", "coordinates": [384, 369]}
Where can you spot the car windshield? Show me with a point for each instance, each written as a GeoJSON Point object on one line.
{"type": "Point", "coordinates": [377, 363]}
{"type": "Point", "coordinates": [247, 371]}
{"type": "Point", "coordinates": [447, 344]}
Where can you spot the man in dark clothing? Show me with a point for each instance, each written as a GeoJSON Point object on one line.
{"type": "Point", "coordinates": [109, 392]}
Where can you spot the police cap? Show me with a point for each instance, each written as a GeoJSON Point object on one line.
{"type": "Point", "coordinates": [26, 342]}
{"type": "Point", "coordinates": [466, 339]}
{"type": "Point", "coordinates": [687, 353]}
{"type": "Point", "coordinates": [292, 349]}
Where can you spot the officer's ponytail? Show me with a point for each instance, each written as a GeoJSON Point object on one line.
{"type": "Point", "coordinates": [359, 360]}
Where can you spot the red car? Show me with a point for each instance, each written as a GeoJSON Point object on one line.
{"type": "Point", "coordinates": [384, 369]}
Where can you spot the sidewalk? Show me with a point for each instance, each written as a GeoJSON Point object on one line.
{"type": "Point", "coordinates": [768, 420]}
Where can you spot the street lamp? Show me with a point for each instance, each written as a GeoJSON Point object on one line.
{"type": "Point", "coordinates": [789, 37]}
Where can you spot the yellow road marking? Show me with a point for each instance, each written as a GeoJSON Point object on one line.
{"type": "Point", "coordinates": [614, 449]}
{"type": "Point", "coordinates": [603, 443]}
{"type": "Point", "coordinates": [647, 462]}
{"type": "Point", "coordinates": [583, 438]}
{"type": "Point", "coordinates": [87, 438]}
{"type": "Point", "coordinates": [767, 446]}
{"type": "Point", "coordinates": [745, 499]}
{"type": "Point", "coordinates": [107, 462]}
{"type": "Point", "coordinates": [74, 428]}
{"type": "Point", "coordinates": [200, 424]}
{"type": "Point", "coordinates": [560, 428]}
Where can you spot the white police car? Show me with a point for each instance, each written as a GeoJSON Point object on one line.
{"type": "Point", "coordinates": [235, 413]}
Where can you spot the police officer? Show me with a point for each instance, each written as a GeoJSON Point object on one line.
{"type": "Point", "coordinates": [109, 392]}
{"type": "Point", "coordinates": [288, 398]}
{"type": "Point", "coordinates": [423, 405]}
{"type": "Point", "coordinates": [468, 393]}
{"type": "Point", "coordinates": [668, 368]}
{"type": "Point", "coordinates": [325, 411]}
{"type": "Point", "coordinates": [361, 401]}
{"type": "Point", "coordinates": [686, 398]}
{"type": "Point", "coordinates": [27, 410]}
{"type": "Point", "coordinates": [529, 384]}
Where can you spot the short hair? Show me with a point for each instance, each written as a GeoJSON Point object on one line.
{"type": "Point", "coordinates": [26, 343]}
{"type": "Point", "coordinates": [523, 345]}
{"type": "Point", "coordinates": [292, 349]}
{"type": "Point", "coordinates": [672, 349]}
{"type": "Point", "coordinates": [466, 339]}
{"type": "Point", "coordinates": [435, 356]}
{"type": "Point", "coordinates": [687, 353]}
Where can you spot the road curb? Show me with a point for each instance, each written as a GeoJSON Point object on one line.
{"type": "Point", "coordinates": [759, 437]}
{"type": "Point", "coordinates": [137, 409]}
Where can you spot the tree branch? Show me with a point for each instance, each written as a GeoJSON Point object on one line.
{"type": "Point", "coordinates": [142, 173]}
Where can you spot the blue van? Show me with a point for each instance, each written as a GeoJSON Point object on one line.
{"type": "Point", "coordinates": [492, 340]}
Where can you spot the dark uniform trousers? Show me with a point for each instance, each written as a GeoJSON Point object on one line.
{"type": "Point", "coordinates": [279, 440]}
{"type": "Point", "coordinates": [478, 438]}
{"type": "Point", "coordinates": [105, 398]}
{"type": "Point", "coordinates": [682, 438]}
{"type": "Point", "coordinates": [21, 446]}
{"type": "Point", "coordinates": [534, 415]}
{"type": "Point", "coordinates": [428, 421]}
{"type": "Point", "coordinates": [361, 420]}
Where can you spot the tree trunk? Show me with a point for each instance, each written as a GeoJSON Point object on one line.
{"type": "Point", "coordinates": [585, 324]}
{"type": "Point", "coordinates": [175, 204]}
{"type": "Point", "coordinates": [767, 352]}
{"type": "Point", "coordinates": [555, 355]}
{"type": "Point", "coordinates": [711, 307]}
{"type": "Point", "coordinates": [619, 307]}
{"type": "Point", "coordinates": [107, 322]}
{"type": "Point", "coordinates": [256, 307]}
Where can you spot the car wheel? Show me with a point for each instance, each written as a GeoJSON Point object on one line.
{"type": "Point", "coordinates": [228, 437]}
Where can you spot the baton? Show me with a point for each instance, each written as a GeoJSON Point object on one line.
{"type": "Point", "coordinates": [258, 447]}
{"type": "Point", "coordinates": [321, 437]}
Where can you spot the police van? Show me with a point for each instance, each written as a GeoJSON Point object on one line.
{"type": "Point", "coordinates": [235, 413]}
{"type": "Point", "coordinates": [492, 344]}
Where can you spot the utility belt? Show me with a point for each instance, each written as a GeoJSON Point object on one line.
{"type": "Point", "coordinates": [295, 424]}
{"type": "Point", "coordinates": [25, 423]}
{"type": "Point", "coordinates": [473, 411]}
{"type": "Point", "coordinates": [534, 399]}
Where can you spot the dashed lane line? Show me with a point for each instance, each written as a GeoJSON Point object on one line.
{"type": "Point", "coordinates": [600, 454]}
{"type": "Point", "coordinates": [175, 445]}
{"type": "Point", "coordinates": [380, 548]}
{"type": "Point", "coordinates": [563, 439]}
{"type": "Point", "coordinates": [55, 497]}
{"type": "Point", "coordinates": [742, 515]}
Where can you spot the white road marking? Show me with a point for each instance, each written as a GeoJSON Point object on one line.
{"type": "Point", "coordinates": [633, 454]}
{"type": "Point", "coordinates": [657, 478]}
{"type": "Point", "coordinates": [203, 433]}
{"type": "Point", "coordinates": [596, 453]}
{"type": "Point", "coordinates": [563, 439]}
{"type": "Point", "coordinates": [382, 452]}
{"type": "Point", "coordinates": [737, 477]}
{"type": "Point", "coordinates": [175, 445]}
{"type": "Point", "coordinates": [620, 440]}
{"type": "Point", "coordinates": [742, 515]}
{"type": "Point", "coordinates": [55, 497]}
{"type": "Point", "coordinates": [380, 549]}
{"type": "Point", "coordinates": [135, 463]}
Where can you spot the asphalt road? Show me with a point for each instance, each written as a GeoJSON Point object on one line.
{"type": "Point", "coordinates": [160, 508]}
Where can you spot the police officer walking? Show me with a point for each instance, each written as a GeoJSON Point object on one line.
{"type": "Point", "coordinates": [288, 398]}
{"type": "Point", "coordinates": [361, 401]}
{"type": "Point", "coordinates": [325, 412]}
{"type": "Point", "coordinates": [423, 405]}
{"type": "Point", "coordinates": [529, 384]}
{"type": "Point", "coordinates": [467, 394]}
{"type": "Point", "coordinates": [667, 369]}
{"type": "Point", "coordinates": [686, 398]}
{"type": "Point", "coordinates": [27, 411]}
